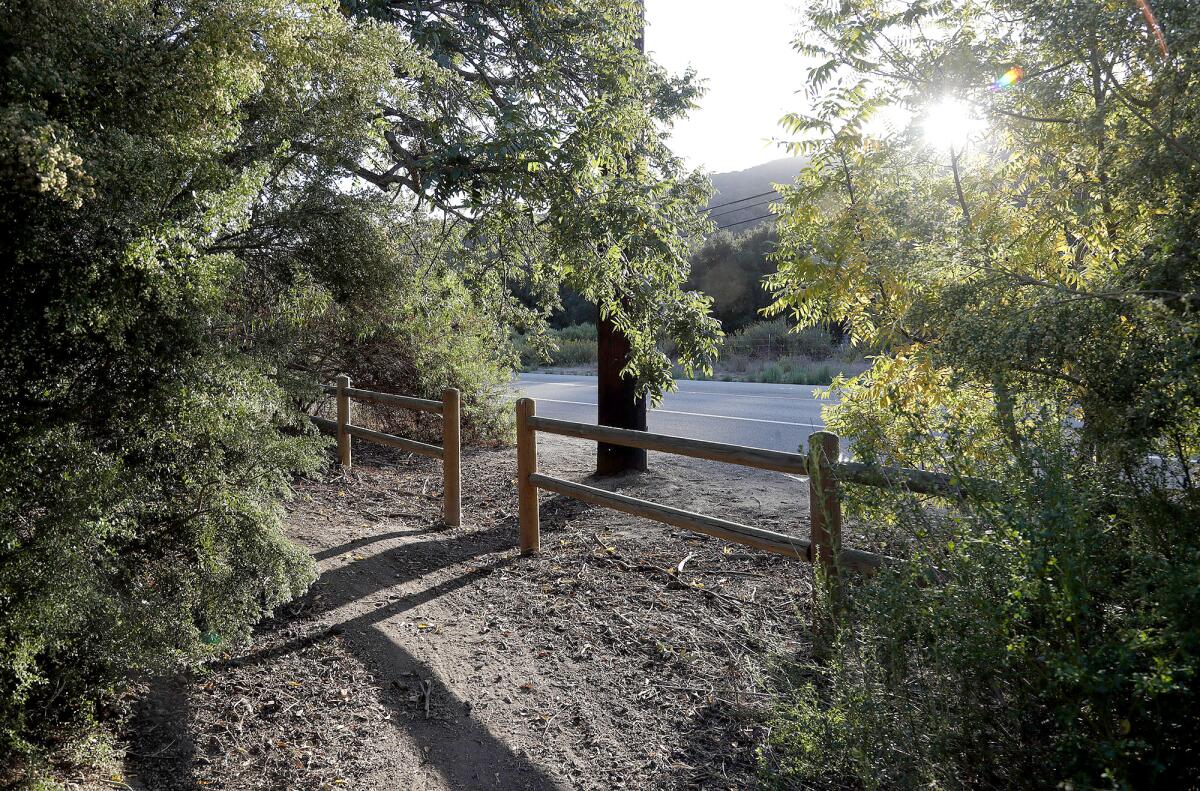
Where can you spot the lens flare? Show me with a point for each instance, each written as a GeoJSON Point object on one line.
{"type": "Point", "coordinates": [1009, 79]}
{"type": "Point", "coordinates": [1153, 26]}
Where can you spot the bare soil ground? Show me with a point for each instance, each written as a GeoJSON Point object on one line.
{"type": "Point", "coordinates": [433, 658]}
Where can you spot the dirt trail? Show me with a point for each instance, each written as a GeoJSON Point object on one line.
{"type": "Point", "coordinates": [429, 658]}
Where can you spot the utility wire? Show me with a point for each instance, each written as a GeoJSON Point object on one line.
{"type": "Point", "coordinates": [740, 208]}
{"type": "Point", "coordinates": [743, 222]}
{"type": "Point", "coordinates": [739, 200]}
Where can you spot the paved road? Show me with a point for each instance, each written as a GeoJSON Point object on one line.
{"type": "Point", "coordinates": [779, 417]}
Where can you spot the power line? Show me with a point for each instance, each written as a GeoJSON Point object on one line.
{"type": "Point", "coordinates": [739, 208]}
{"type": "Point", "coordinates": [739, 200]}
{"type": "Point", "coordinates": [743, 222]}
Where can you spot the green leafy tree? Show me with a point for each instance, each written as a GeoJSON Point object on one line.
{"type": "Point", "coordinates": [186, 263]}
{"type": "Point", "coordinates": [1027, 250]}
{"type": "Point", "coordinates": [538, 131]}
{"type": "Point", "coordinates": [211, 207]}
{"type": "Point", "coordinates": [731, 269]}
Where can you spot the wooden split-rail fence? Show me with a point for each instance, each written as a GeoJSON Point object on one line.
{"type": "Point", "coordinates": [449, 452]}
{"type": "Point", "coordinates": [821, 464]}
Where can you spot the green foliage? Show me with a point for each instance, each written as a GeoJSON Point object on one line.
{"type": "Point", "coordinates": [1035, 287]}
{"type": "Point", "coordinates": [578, 332]}
{"type": "Point", "coordinates": [212, 206]}
{"type": "Point", "coordinates": [775, 338]}
{"type": "Point", "coordinates": [189, 262]}
{"type": "Point", "coordinates": [1063, 647]}
{"type": "Point", "coordinates": [571, 346]}
{"type": "Point", "coordinates": [772, 374]}
{"type": "Point", "coordinates": [800, 372]}
{"type": "Point", "coordinates": [575, 352]}
{"type": "Point", "coordinates": [535, 127]}
{"type": "Point", "coordinates": [730, 268]}
{"type": "Point", "coordinates": [397, 317]}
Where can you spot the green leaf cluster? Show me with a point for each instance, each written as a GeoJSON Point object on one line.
{"type": "Point", "coordinates": [538, 130]}
{"type": "Point", "coordinates": [186, 261]}
{"type": "Point", "coordinates": [1034, 286]}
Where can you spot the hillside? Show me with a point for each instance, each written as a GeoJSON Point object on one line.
{"type": "Point", "coordinates": [738, 184]}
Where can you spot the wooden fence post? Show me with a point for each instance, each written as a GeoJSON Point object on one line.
{"type": "Point", "coordinates": [343, 420]}
{"type": "Point", "coordinates": [825, 515]}
{"type": "Point", "coordinates": [451, 457]}
{"type": "Point", "coordinates": [527, 496]}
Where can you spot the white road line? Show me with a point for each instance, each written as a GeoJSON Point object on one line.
{"type": "Point", "coordinates": [559, 401]}
{"type": "Point", "coordinates": [691, 414]}
{"type": "Point", "coordinates": [739, 395]}
{"type": "Point", "coordinates": [730, 417]}
{"type": "Point", "coordinates": [813, 397]}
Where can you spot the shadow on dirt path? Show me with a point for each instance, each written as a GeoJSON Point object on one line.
{"type": "Point", "coordinates": [432, 658]}
{"type": "Point", "coordinates": [462, 751]}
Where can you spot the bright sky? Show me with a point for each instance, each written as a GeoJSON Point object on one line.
{"type": "Point", "coordinates": [744, 53]}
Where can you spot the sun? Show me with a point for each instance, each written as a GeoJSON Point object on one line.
{"type": "Point", "coordinates": [951, 124]}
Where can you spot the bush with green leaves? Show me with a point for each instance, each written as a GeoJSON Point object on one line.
{"type": "Point", "coordinates": [799, 372]}
{"type": "Point", "coordinates": [1062, 647]}
{"type": "Point", "coordinates": [211, 207]}
{"type": "Point", "coordinates": [188, 265]}
{"type": "Point", "coordinates": [572, 346]}
{"type": "Point", "coordinates": [149, 444]}
{"type": "Point", "coordinates": [578, 332]}
{"type": "Point", "coordinates": [771, 339]}
{"type": "Point", "coordinates": [1026, 253]}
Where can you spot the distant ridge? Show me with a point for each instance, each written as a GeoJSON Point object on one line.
{"type": "Point", "coordinates": [738, 184]}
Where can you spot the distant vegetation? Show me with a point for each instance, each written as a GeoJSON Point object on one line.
{"type": "Point", "coordinates": [573, 346]}
{"type": "Point", "coordinates": [730, 268]}
{"type": "Point", "coordinates": [765, 351]}
{"type": "Point", "coordinates": [772, 352]}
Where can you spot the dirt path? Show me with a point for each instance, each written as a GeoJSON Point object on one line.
{"type": "Point", "coordinates": [428, 658]}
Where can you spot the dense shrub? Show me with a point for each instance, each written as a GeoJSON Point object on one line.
{"type": "Point", "coordinates": [111, 566]}
{"type": "Point", "coordinates": [772, 339]}
{"type": "Point", "coordinates": [1063, 648]}
{"type": "Point", "coordinates": [575, 352]}
{"type": "Point", "coordinates": [772, 374]}
{"type": "Point", "coordinates": [573, 346]}
{"type": "Point", "coordinates": [385, 342]}
{"type": "Point", "coordinates": [183, 278]}
{"type": "Point", "coordinates": [149, 442]}
{"type": "Point", "coordinates": [1040, 329]}
{"type": "Point", "coordinates": [578, 332]}
{"type": "Point", "coordinates": [800, 372]}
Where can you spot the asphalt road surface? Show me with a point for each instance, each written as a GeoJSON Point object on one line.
{"type": "Point", "coordinates": [779, 417]}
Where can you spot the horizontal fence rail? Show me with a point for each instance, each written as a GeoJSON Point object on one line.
{"type": "Point", "coordinates": [391, 399]}
{"type": "Point", "coordinates": [822, 547]}
{"type": "Point", "coordinates": [391, 440]}
{"type": "Point", "coordinates": [449, 452]}
{"type": "Point", "coordinates": [765, 540]}
{"type": "Point", "coordinates": [744, 456]}
{"type": "Point", "coordinates": [821, 464]}
{"type": "Point", "coordinates": [325, 424]}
